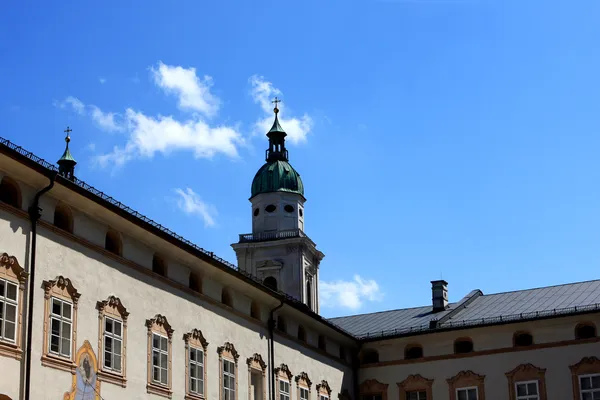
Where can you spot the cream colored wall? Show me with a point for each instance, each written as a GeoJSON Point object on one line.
{"type": "Point", "coordinates": [494, 366]}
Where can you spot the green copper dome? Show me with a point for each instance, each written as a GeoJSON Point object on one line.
{"type": "Point", "coordinates": [277, 176]}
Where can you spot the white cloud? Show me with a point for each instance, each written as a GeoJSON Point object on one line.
{"type": "Point", "coordinates": [263, 93]}
{"type": "Point", "coordinates": [193, 93]}
{"type": "Point", "coordinates": [190, 203]}
{"type": "Point", "coordinates": [102, 80]}
{"type": "Point", "coordinates": [106, 121]}
{"type": "Point", "coordinates": [73, 102]}
{"type": "Point", "coordinates": [349, 294]}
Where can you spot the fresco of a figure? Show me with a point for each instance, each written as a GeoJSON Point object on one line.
{"type": "Point", "coordinates": [85, 380]}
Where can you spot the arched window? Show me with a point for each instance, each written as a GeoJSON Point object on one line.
{"type": "Point", "coordinates": [10, 193]}
{"type": "Point", "coordinates": [522, 339]}
{"type": "Point", "coordinates": [322, 343]}
{"type": "Point", "coordinates": [195, 282]}
{"type": "Point", "coordinates": [226, 297]}
{"type": "Point", "coordinates": [585, 330]}
{"type": "Point", "coordinates": [370, 356]}
{"type": "Point", "coordinates": [281, 323]}
{"type": "Point", "coordinates": [271, 283]}
{"type": "Point", "coordinates": [309, 293]}
{"type": "Point", "coordinates": [463, 345]}
{"type": "Point", "coordinates": [63, 218]}
{"type": "Point", "coordinates": [159, 266]}
{"type": "Point", "coordinates": [413, 351]}
{"type": "Point", "coordinates": [301, 333]}
{"type": "Point", "coordinates": [254, 310]}
{"type": "Point", "coordinates": [112, 242]}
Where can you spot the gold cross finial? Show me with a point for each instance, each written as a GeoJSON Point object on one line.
{"type": "Point", "coordinates": [276, 102]}
{"type": "Point", "coordinates": [68, 131]}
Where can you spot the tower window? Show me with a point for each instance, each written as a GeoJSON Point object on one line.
{"type": "Point", "coordinates": [289, 208]}
{"type": "Point", "coordinates": [271, 283]}
{"type": "Point", "coordinates": [301, 212]}
{"type": "Point", "coordinates": [10, 193]}
{"type": "Point", "coordinates": [256, 211]}
{"type": "Point", "coordinates": [270, 208]}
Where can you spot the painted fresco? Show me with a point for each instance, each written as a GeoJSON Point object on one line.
{"type": "Point", "coordinates": [86, 385]}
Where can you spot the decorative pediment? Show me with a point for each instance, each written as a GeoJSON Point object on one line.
{"type": "Point", "coordinates": [270, 264]}
{"type": "Point", "coordinates": [256, 361]}
{"type": "Point", "coordinates": [284, 372]}
{"type": "Point", "coordinates": [195, 337]}
{"type": "Point", "coordinates": [62, 287]}
{"type": "Point", "coordinates": [161, 323]}
{"type": "Point", "coordinates": [373, 386]}
{"type": "Point", "coordinates": [228, 350]}
{"type": "Point", "coordinates": [302, 378]}
{"type": "Point", "coordinates": [414, 382]}
{"type": "Point", "coordinates": [526, 370]}
{"type": "Point", "coordinates": [586, 365]}
{"type": "Point", "coordinates": [113, 304]}
{"type": "Point", "coordinates": [465, 377]}
{"type": "Point", "coordinates": [324, 388]}
{"type": "Point", "coordinates": [9, 267]}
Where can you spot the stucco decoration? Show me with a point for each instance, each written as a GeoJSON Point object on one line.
{"type": "Point", "coordinates": [256, 362]}
{"type": "Point", "coordinates": [11, 271]}
{"type": "Point", "coordinates": [113, 308]}
{"type": "Point", "coordinates": [284, 372]}
{"type": "Point", "coordinates": [415, 383]}
{"type": "Point", "coordinates": [373, 387]}
{"type": "Point", "coordinates": [323, 388]}
{"type": "Point", "coordinates": [467, 379]}
{"type": "Point", "coordinates": [527, 372]}
{"type": "Point", "coordinates": [303, 379]}
{"type": "Point", "coordinates": [85, 385]}
{"type": "Point", "coordinates": [587, 366]}
{"type": "Point", "coordinates": [228, 350]}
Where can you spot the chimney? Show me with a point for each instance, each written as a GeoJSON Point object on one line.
{"type": "Point", "coordinates": [439, 291]}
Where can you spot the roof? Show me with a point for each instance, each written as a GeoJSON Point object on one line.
{"type": "Point", "coordinates": [277, 176]}
{"type": "Point", "coordinates": [477, 309]}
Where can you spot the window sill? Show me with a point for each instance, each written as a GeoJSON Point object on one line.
{"type": "Point", "coordinates": [10, 350]}
{"type": "Point", "coordinates": [194, 396]}
{"type": "Point", "coordinates": [64, 364]}
{"type": "Point", "coordinates": [112, 377]}
{"type": "Point", "coordinates": [160, 390]}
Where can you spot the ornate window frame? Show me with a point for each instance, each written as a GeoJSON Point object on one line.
{"type": "Point", "coordinates": [467, 379]}
{"type": "Point", "coordinates": [302, 381]}
{"type": "Point", "coordinates": [60, 288]}
{"type": "Point", "coordinates": [112, 308]}
{"type": "Point", "coordinates": [229, 353]}
{"type": "Point", "coordinates": [525, 373]}
{"type": "Point", "coordinates": [323, 389]}
{"type": "Point", "coordinates": [415, 383]}
{"type": "Point", "coordinates": [283, 373]}
{"type": "Point", "coordinates": [256, 363]}
{"type": "Point", "coordinates": [11, 271]}
{"type": "Point", "coordinates": [373, 387]}
{"type": "Point", "coordinates": [586, 366]}
{"type": "Point", "coordinates": [195, 339]}
{"type": "Point", "coordinates": [160, 325]}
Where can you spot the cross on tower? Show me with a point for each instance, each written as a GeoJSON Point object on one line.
{"type": "Point", "coordinates": [276, 102]}
{"type": "Point", "coordinates": [68, 130]}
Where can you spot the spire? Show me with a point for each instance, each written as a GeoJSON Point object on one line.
{"type": "Point", "coordinates": [66, 163]}
{"type": "Point", "coordinates": [276, 135]}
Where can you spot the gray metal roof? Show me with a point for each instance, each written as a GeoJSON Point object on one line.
{"type": "Point", "coordinates": [481, 310]}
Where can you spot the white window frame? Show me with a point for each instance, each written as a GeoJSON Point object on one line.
{"type": "Point", "coordinates": [284, 395]}
{"type": "Point", "coordinates": [528, 396]}
{"type": "Point", "coordinates": [61, 319]}
{"type": "Point", "coordinates": [199, 371]}
{"type": "Point", "coordinates": [231, 375]}
{"type": "Point", "coordinates": [581, 390]}
{"type": "Point", "coordinates": [302, 388]}
{"type": "Point", "coordinates": [323, 396]}
{"type": "Point", "coordinates": [467, 389]}
{"type": "Point", "coordinates": [418, 391]}
{"type": "Point", "coordinates": [162, 369]}
{"type": "Point", "coordinates": [114, 337]}
{"type": "Point", "coordinates": [4, 301]}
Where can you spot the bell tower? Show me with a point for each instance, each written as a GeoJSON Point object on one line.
{"type": "Point", "coordinates": [278, 251]}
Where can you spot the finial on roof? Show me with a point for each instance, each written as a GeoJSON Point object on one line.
{"type": "Point", "coordinates": [276, 102]}
{"type": "Point", "coordinates": [66, 164]}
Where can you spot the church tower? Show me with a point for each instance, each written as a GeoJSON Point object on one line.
{"type": "Point", "coordinates": [278, 251]}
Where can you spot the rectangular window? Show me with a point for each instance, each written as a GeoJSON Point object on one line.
{"type": "Point", "coordinates": [113, 344]}
{"type": "Point", "coordinates": [8, 311]}
{"type": "Point", "coordinates": [466, 394]}
{"type": "Point", "coordinates": [196, 371]}
{"type": "Point", "coordinates": [416, 395]}
{"type": "Point", "coordinates": [323, 397]}
{"type": "Point", "coordinates": [61, 327]}
{"type": "Point", "coordinates": [303, 393]}
{"type": "Point", "coordinates": [160, 359]}
{"type": "Point", "coordinates": [284, 390]}
{"type": "Point", "coordinates": [590, 387]}
{"type": "Point", "coordinates": [228, 380]}
{"type": "Point", "coordinates": [527, 390]}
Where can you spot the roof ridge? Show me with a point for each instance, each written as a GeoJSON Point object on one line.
{"type": "Point", "coordinates": [383, 311]}
{"type": "Point", "coordinates": [542, 287]}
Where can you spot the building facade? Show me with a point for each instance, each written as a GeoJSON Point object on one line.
{"type": "Point", "coordinates": [100, 302]}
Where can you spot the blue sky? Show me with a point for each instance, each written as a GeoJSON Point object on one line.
{"type": "Point", "coordinates": [436, 138]}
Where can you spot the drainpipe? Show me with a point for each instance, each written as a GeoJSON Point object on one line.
{"type": "Point", "coordinates": [35, 213]}
{"type": "Point", "coordinates": [271, 325]}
